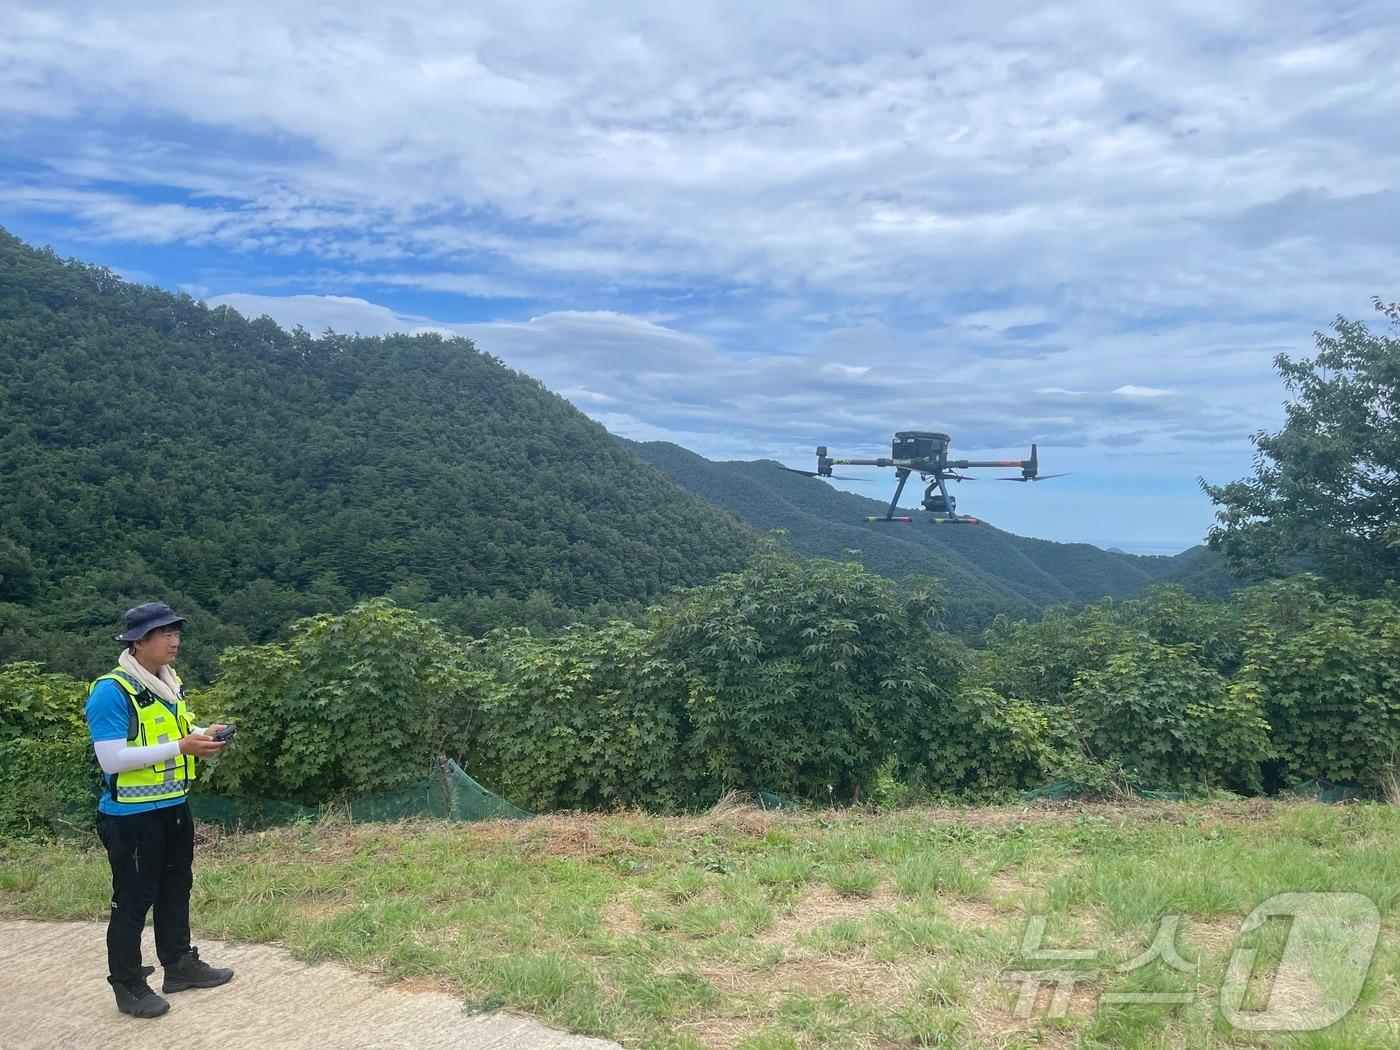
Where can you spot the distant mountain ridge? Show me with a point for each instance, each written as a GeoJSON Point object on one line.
{"type": "Point", "coordinates": [987, 570]}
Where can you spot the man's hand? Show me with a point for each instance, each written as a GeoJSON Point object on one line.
{"type": "Point", "coordinates": [201, 745]}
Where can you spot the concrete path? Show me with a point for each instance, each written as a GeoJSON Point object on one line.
{"type": "Point", "coordinates": [54, 993]}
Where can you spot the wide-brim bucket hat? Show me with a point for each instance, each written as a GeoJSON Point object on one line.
{"type": "Point", "coordinates": [144, 619]}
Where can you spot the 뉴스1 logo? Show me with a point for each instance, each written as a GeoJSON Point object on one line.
{"type": "Point", "coordinates": [1327, 953]}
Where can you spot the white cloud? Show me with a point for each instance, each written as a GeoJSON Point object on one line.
{"type": "Point", "coordinates": [584, 396]}
{"type": "Point", "coordinates": [316, 313]}
{"type": "Point", "coordinates": [469, 285]}
{"type": "Point", "coordinates": [1092, 222]}
{"type": "Point", "coordinates": [1009, 146]}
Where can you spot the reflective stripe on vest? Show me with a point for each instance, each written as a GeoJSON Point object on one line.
{"type": "Point", "coordinates": [150, 792]}
{"type": "Point", "coordinates": [154, 724]}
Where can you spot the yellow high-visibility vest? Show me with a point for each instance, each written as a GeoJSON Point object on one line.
{"type": "Point", "coordinates": [151, 723]}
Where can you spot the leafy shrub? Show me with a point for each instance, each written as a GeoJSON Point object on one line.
{"type": "Point", "coordinates": [802, 677]}
{"type": "Point", "coordinates": [1039, 660]}
{"type": "Point", "coordinates": [586, 718]}
{"type": "Point", "coordinates": [982, 741]}
{"type": "Point", "coordinates": [48, 774]}
{"type": "Point", "coordinates": [810, 679]}
{"type": "Point", "coordinates": [1329, 686]}
{"type": "Point", "coordinates": [350, 704]}
{"type": "Point", "coordinates": [1214, 630]}
{"type": "Point", "coordinates": [1280, 684]}
{"type": "Point", "coordinates": [1169, 721]}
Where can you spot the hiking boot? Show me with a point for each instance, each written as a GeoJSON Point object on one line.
{"type": "Point", "coordinates": [190, 972]}
{"type": "Point", "coordinates": [137, 999]}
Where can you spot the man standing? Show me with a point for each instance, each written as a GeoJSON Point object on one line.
{"type": "Point", "coordinates": [147, 743]}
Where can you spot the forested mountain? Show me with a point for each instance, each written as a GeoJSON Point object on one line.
{"type": "Point", "coordinates": [987, 570]}
{"type": "Point", "coordinates": [152, 447]}
{"type": "Point", "coordinates": [1204, 573]}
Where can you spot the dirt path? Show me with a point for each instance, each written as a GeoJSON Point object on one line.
{"type": "Point", "coordinates": [53, 993]}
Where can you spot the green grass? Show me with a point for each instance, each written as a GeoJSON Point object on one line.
{"type": "Point", "coordinates": [854, 880]}
{"type": "Point", "coordinates": [840, 937]}
{"type": "Point", "coordinates": [785, 870]}
{"type": "Point", "coordinates": [927, 874]}
{"type": "Point", "coordinates": [790, 930]}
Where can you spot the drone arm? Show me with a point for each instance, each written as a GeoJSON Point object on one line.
{"type": "Point", "coordinates": [1029, 467]}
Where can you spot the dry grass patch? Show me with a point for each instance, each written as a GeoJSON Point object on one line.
{"type": "Point", "coordinates": [862, 978]}
{"type": "Point", "coordinates": [757, 984]}
{"type": "Point", "coordinates": [756, 996]}
{"type": "Point", "coordinates": [1064, 811]}
{"type": "Point", "coordinates": [973, 913]}
{"type": "Point", "coordinates": [1010, 894]}
{"type": "Point", "coordinates": [315, 909]}
{"type": "Point", "coordinates": [333, 842]}
{"type": "Point", "coordinates": [492, 832]}
{"type": "Point", "coordinates": [990, 1010]}
{"type": "Point", "coordinates": [719, 1033]}
{"type": "Point", "coordinates": [622, 915]}
{"type": "Point", "coordinates": [1209, 939]}
{"type": "Point", "coordinates": [819, 907]}
{"type": "Point", "coordinates": [575, 837]}
{"type": "Point", "coordinates": [733, 815]}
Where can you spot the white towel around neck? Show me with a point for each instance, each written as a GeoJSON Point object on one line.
{"type": "Point", "coordinates": [166, 685]}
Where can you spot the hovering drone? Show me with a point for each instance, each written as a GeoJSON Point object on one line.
{"type": "Point", "coordinates": [926, 454]}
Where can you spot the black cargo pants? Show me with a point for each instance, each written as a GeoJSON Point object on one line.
{"type": "Point", "coordinates": [152, 857]}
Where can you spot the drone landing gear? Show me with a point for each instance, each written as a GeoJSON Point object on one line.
{"type": "Point", "coordinates": [937, 502]}
{"type": "Point", "coordinates": [903, 475]}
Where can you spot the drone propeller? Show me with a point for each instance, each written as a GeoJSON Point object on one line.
{"type": "Point", "coordinates": [814, 474]}
{"type": "Point", "coordinates": [1037, 477]}
{"type": "Point", "coordinates": [960, 477]}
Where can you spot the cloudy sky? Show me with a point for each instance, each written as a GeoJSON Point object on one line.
{"type": "Point", "coordinates": [753, 228]}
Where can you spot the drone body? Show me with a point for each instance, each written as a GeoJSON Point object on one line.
{"type": "Point", "coordinates": [925, 453]}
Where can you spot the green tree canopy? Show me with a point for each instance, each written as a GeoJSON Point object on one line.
{"type": "Point", "coordinates": [1326, 488]}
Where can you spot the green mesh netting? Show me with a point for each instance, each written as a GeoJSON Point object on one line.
{"type": "Point", "coordinates": [768, 800]}
{"type": "Point", "coordinates": [449, 793]}
{"type": "Point", "coordinates": [1062, 789]}
{"type": "Point", "coordinates": [1322, 791]}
